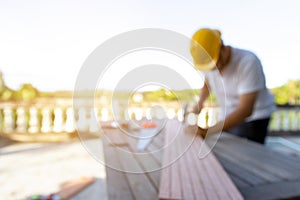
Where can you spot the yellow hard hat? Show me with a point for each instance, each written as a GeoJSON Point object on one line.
{"type": "Point", "coordinates": [205, 48]}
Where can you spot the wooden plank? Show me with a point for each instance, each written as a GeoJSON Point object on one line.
{"type": "Point", "coordinates": [249, 165]}
{"type": "Point", "coordinates": [145, 157]}
{"type": "Point", "coordinates": [238, 182]}
{"type": "Point", "coordinates": [292, 163]}
{"type": "Point", "coordinates": [131, 138]}
{"type": "Point", "coordinates": [113, 137]}
{"type": "Point", "coordinates": [255, 148]}
{"type": "Point", "coordinates": [117, 183]}
{"type": "Point", "coordinates": [185, 164]}
{"type": "Point", "coordinates": [149, 165]}
{"type": "Point", "coordinates": [286, 145]}
{"type": "Point", "coordinates": [207, 183]}
{"type": "Point", "coordinates": [73, 187]}
{"type": "Point", "coordinates": [165, 181]}
{"type": "Point", "coordinates": [176, 180]}
{"type": "Point", "coordinates": [151, 168]}
{"type": "Point", "coordinates": [120, 151]}
{"type": "Point", "coordinates": [194, 174]}
{"type": "Point", "coordinates": [154, 177]}
{"type": "Point", "coordinates": [156, 152]}
{"type": "Point", "coordinates": [218, 175]}
{"type": "Point", "coordinates": [145, 137]}
{"type": "Point", "coordinates": [279, 190]}
{"type": "Point", "coordinates": [262, 158]}
{"type": "Point", "coordinates": [159, 139]}
{"type": "Point", "coordinates": [221, 179]}
{"type": "Point", "coordinates": [140, 185]}
{"type": "Point", "coordinates": [171, 187]}
{"type": "Point", "coordinates": [237, 171]}
{"type": "Point", "coordinates": [241, 158]}
{"type": "Point", "coordinates": [295, 139]}
{"type": "Point", "coordinates": [205, 173]}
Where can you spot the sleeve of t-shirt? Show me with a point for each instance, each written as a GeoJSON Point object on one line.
{"type": "Point", "coordinates": [251, 77]}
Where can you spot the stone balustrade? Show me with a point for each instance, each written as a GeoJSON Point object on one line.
{"type": "Point", "coordinates": [59, 116]}
{"type": "Point", "coordinates": [285, 120]}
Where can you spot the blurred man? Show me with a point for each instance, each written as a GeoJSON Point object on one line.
{"type": "Point", "coordinates": [237, 79]}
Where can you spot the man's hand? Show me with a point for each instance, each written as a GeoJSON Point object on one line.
{"type": "Point", "coordinates": [195, 129]}
{"type": "Point", "coordinates": [202, 132]}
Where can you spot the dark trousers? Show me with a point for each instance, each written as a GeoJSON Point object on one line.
{"type": "Point", "coordinates": [254, 130]}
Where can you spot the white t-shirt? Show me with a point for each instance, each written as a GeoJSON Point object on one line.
{"type": "Point", "coordinates": [242, 75]}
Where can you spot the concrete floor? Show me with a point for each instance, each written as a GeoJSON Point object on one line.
{"type": "Point", "coordinates": [34, 168]}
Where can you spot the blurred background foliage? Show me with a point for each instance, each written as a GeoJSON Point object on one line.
{"type": "Point", "coordinates": [287, 94]}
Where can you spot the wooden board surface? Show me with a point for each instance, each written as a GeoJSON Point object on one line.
{"type": "Point", "coordinates": [258, 172]}
{"type": "Point", "coordinates": [132, 173]}
{"type": "Point", "coordinates": [190, 171]}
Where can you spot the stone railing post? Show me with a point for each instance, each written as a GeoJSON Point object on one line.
{"type": "Point", "coordinates": [8, 121]}
{"type": "Point", "coordinates": [58, 120]}
{"type": "Point", "coordinates": [21, 120]}
{"type": "Point", "coordinates": [46, 120]}
{"type": "Point", "coordinates": [34, 121]}
{"type": "Point", "coordinates": [70, 121]}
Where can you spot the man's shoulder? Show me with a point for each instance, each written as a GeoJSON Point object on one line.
{"type": "Point", "coordinates": [243, 53]}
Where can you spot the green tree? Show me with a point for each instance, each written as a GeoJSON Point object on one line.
{"type": "Point", "coordinates": [5, 92]}
{"type": "Point", "coordinates": [289, 93]}
{"type": "Point", "coordinates": [27, 92]}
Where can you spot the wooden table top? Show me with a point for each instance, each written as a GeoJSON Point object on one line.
{"type": "Point", "coordinates": [136, 167]}
{"type": "Point", "coordinates": [258, 172]}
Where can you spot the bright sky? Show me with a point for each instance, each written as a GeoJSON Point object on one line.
{"type": "Point", "coordinates": [46, 42]}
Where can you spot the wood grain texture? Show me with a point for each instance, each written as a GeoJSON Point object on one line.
{"type": "Point", "coordinates": [192, 171]}
{"type": "Point", "coordinates": [258, 172]}
{"type": "Point", "coordinates": [131, 173]}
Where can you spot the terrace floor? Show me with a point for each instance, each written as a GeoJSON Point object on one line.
{"type": "Point", "coordinates": [40, 168]}
{"type": "Point", "coordinates": [36, 168]}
